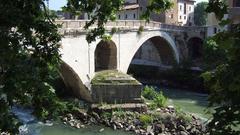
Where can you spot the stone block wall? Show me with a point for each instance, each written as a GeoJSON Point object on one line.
{"type": "Point", "coordinates": [111, 93]}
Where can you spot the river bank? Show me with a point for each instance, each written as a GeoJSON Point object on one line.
{"type": "Point", "coordinates": [164, 121]}
{"type": "Point", "coordinates": [122, 122]}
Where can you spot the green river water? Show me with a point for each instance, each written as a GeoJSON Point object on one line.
{"type": "Point", "coordinates": [190, 102]}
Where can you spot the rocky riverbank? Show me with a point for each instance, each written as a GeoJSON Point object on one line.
{"type": "Point", "coordinates": [161, 121]}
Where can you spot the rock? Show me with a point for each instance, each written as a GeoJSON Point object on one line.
{"type": "Point", "coordinates": [149, 128]}
{"type": "Point", "coordinates": [181, 128]}
{"type": "Point", "coordinates": [137, 122]}
{"type": "Point", "coordinates": [114, 127]}
{"type": "Point", "coordinates": [93, 120]}
{"type": "Point", "coordinates": [71, 124]}
{"type": "Point", "coordinates": [131, 128]}
{"type": "Point", "coordinates": [82, 126]}
{"type": "Point", "coordinates": [137, 131]}
{"type": "Point", "coordinates": [78, 125]}
{"type": "Point", "coordinates": [101, 130]}
{"type": "Point", "coordinates": [65, 119]}
{"type": "Point", "coordinates": [183, 133]}
{"type": "Point", "coordinates": [161, 134]}
{"type": "Point", "coordinates": [119, 125]}
{"type": "Point", "coordinates": [150, 133]}
{"type": "Point", "coordinates": [188, 128]}
{"type": "Point", "coordinates": [158, 128]}
{"type": "Point", "coordinates": [158, 109]}
{"type": "Point", "coordinates": [142, 131]}
{"type": "Point", "coordinates": [96, 116]}
{"type": "Point", "coordinates": [81, 114]}
{"type": "Point", "coordinates": [170, 107]}
{"type": "Point", "coordinates": [70, 116]}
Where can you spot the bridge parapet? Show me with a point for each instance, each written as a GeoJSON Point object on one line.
{"type": "Point", "coordinates": [78, 25]}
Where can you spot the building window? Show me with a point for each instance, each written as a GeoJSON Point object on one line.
{"type": "Point", "coordinates": [189, 8]}
{"type": "Point", "coordinates": [180, 17]}
{"type": "Point", "coordinates": [185, 8]}
{"type": "Point", "coordinates": [180, 7]}
{"type": "Point", "coordinates": [189, 18]}
{"type": "Point", "coordinates": [134, 16]}
{"type": "Point", "coordinates": [140, 8]}
{"type": "Point", "coordinates": [172, 16]}
{"type": "Point", "coordinates": [126, 16]}
{"type": "Point", "coordinates": [119, 16]}
{"type": "Point", "coordinates": [184, 17]}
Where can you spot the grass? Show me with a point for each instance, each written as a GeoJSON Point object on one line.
{"type": "Point", "coordinates": [155, 99]}
{"type": "Point", "coordinates": [113, 77]}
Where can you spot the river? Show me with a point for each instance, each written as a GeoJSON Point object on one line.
{"type": "Point", "coordinates": [190, 102]}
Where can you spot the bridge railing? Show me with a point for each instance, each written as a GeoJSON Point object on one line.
{"type": "Point", "coordinates": [128, 24]}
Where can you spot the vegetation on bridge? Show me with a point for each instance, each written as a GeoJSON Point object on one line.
{"type": "Point", "coordinates": [113, 77]}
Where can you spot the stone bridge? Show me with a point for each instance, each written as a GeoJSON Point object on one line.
{"type": "Point", "coordinates": [134, 42]}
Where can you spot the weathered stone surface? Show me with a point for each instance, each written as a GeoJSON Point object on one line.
{"type": "Point", "coordinates": [122, 93]}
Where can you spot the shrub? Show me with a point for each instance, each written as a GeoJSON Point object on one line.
{"type": "Point", "coordinates": [160, 100]}
{"type": "Point", "coordinates": [140, 30]}
{"type": "Point", "coordinates": [113, 30]}
{"type": "Point", "coordinates": [145, 119]}
{"type": "Point", "coordinates": [149, 92]}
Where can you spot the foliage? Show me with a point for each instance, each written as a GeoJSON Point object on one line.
{"type": "Point", "coordinates": [110, 76]}
{"type": "Point", "coordinates": [156, 6]}
{"type": "Point", "coordinates": [140, 30]}
{"type": "Point", "coordinates": [149, 92]}
{"type": "Point", "coordinates": [213, 54]}
{"type": "Point", "coordinates": [30, 58]}
{"type": "Point", "coordinates": [113, 30]}
{"type": "Point", "coordinates": [160, 100]}
{"type": "Point", "coordinates": [224, 80]}
{"type": "Point", "coordinates": [145, 119]}
{"type": "Point", "coordinates": [200, 15]}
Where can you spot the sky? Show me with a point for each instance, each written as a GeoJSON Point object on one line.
{"type": "Point", "coordinates": [57, 4]}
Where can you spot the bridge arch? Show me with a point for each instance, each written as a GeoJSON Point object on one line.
{"type": "Point", "coordinates": [105, 55]}
{"type": "Point", "coordinates": [195, 48]}
{"type": "Point", "coordinates": [73, 82]}
{"type": "Point", "coordinates": [163, 42]}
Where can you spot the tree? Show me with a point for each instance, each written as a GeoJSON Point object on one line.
{"type": "Point", "coordinates": [29, 60]}
{"type": "Point", "coordinates": [224, 80]}
{"type": "Point", "coordinates": [200, 15]}
{"type": "Point", "coordinates": [29, 52]}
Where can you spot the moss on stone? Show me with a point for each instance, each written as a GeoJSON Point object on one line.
{"type": "Point", "coordinates": [113, 77]}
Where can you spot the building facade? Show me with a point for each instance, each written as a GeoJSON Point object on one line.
{"type": "Point", "coordinates": [182, 12]}
{"type": "Point", "coordinates": [233, 15]}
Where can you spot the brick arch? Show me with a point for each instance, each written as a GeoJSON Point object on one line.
{"type": "Point", "coordinates": [158, 37]}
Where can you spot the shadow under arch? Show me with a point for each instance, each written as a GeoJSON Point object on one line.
{"type": "Point", "coordinates": [195, 48]}
{"type": "Point", "coordinates": [159, 52]}
{"type": "Point", "coordinates": [105, 56]}
{"type": "Point", "coordinates": [74, 83]}
{"type": "Point", "coordinates": [156, 37]}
